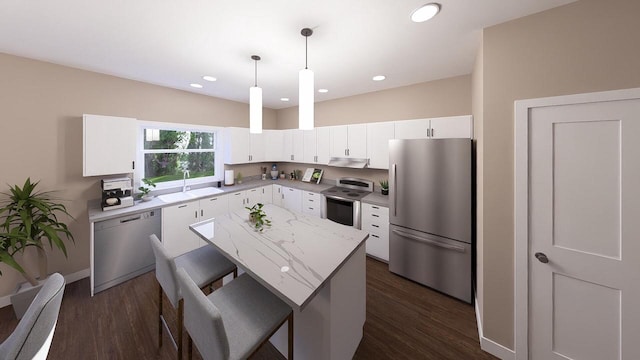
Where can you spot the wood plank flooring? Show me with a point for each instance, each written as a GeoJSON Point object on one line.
{"type": "Point", "coordinates": [404, 321]}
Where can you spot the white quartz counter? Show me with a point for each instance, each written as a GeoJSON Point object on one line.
{"type": "Point", "coordinates": [294, 257]}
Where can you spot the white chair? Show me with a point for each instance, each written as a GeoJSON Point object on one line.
{"type": "Point", "coordinates": [32, 337]}
{"type": "Point", "coordinates": [205, 265]}
{"type": "Point", "coordinates": [234, 321]}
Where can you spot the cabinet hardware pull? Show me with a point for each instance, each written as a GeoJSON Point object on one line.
{"type": "Point", "coordinates": [196, 214]}
{"type": "Point", "coordinates": [374, 215]}
{"type": "Point", "coordinates": [432, 132]}
{"type": "Point", "coordinates": [375, 207]}
{"type": "Point", "coordinates": [201, 212]}
{"type": "Point", "coordinates": [374, 235]}
{"type": "Point", "coordinates": [182, 206]}
{"type": "Point", "coordinates": [133, 165]}
{"type": "Point", "coordinates": [375, 225]}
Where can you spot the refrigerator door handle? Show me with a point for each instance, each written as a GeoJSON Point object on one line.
{"type": "Point", "coordinates": [428, 241]}
{"type": "Point", "coordinates": [395, 191]}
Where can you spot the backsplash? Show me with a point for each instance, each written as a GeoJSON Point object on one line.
{"type": "Point", "coordinates": [330, 172]}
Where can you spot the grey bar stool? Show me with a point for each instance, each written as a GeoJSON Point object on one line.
{"type": "Point", "coordinates": [234, 321]}
{"type": "Point", "coordinates": [32, 337]}
{"type": "Point", "coordinates": [204, 265]}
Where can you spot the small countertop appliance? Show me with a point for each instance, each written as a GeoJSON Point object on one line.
{"type": "Point", "coordinates": [116, 193]}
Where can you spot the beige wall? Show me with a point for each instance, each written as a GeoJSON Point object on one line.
{"type": "Point", "coordinates": [581, 47]}
{"type": "Point", "coordinates": [41, 127]}
{"type": "Point", "coordinates": [446, 97]}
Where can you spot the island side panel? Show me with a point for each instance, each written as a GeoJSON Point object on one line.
{"type": "Point", "coordinates": [331, 325]}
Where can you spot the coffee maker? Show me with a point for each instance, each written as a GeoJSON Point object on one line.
{"type": "Point", "coordinates": [116, 193]}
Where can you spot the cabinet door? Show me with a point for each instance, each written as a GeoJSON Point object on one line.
{"type": "Point", "coordinates": [253, 197]}
{"type": "Point", "coordinates": [236, 145]}
{"type": "Point", "coordinates": [267, 194]}
{"type": "Point", "coordinates": [297, 145]}
{"type": "Point", "coordinates": [292, 199]}
{"type": "Point", "coordinates": [309, 146]}
{"type": "Point", "coordinates": [257, 143]}
{"type": "Point", "coordinates": [357, 141]}
{"type": "Point", "coordinates": [212, 207]}
{"type": "Point", "coordinates": [176, 235]}
{"type": "Point", "coordinates": [412, 129]}
{"type": "Point", "coordinates": [287, 145]}
{"type": "Point", "coordinates": [452, 127]}
{"type": "Point", "coordinates": [237, 200]}
{"type": "Point", "coordinates": [101, 154]}
{"type": "Point", "coordinates": [378, 136]}
{"type": "Point", "coordinates": [277, 195]}
{"type": "Point", "coordinates": [274, 147]}
{"type": "Point", "coordinates": [339, 144]}
{"type": "Point", "coordinates": [323, 145]}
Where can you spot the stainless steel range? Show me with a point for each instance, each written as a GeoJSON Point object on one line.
{"type": "Point", "coordinates": [343, 200]}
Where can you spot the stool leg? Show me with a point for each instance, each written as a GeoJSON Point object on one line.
{"type": "Point", "coordinates": [290, 321]}
{"type": "Point", "coordinates": [180, 326]}
{"type": "Point", "coordinates": [159, 315]}
{"type": "Point", "coordinates": [190, 346]}
{"type": "Point", "coordinates": [235, 273]}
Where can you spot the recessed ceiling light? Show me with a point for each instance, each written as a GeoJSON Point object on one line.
{"type": "Point", "coordinates": [284, 99]}
{"type": "Point", "coordinates": [425, 12]}
{"type": "Point", "coordinates": [323, 90]}
{"type": "Point", "coordinates": [197, 86]}
{"type": "Point", "coordinates": [379, 78]}
{"type": "Point", "coordinates": [209, 78]}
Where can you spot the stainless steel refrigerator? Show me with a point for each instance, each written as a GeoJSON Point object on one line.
{"type": "Point", "coordinates": [430, 213]}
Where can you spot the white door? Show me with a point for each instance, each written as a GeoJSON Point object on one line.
{"type": "Point", "coordinates": [357, 141]}
{"type": "Point", "coordinates": [378, 136]}
{"type": "Point", "coordinates": [258, 146]}
{"type": "Point", "coordinates": [584, 218]}
{"type": "Point", "coordinates": [323, 145]}
{"type": "Point", "coordinates": [339, 142]}
{"type": "Point", "coordinates": [177, 238]}
{"type": "Point", "coordinates": [309, 146]}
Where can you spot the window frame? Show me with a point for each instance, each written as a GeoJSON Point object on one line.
{"type": "Point", "coordinates": [218, 149]}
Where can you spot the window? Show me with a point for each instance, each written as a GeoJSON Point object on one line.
{"type": "Point", "coordinates": [172, 152]}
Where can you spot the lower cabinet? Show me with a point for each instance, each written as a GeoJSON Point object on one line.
{"type": "Point", "coordinates": [375, 220]}
{"type": "Point", "coordinates": [292, 199]}
{"type": "Point", "coordinates": [277, 195]}
{"type": "Point", "coordinates": [311, 203]}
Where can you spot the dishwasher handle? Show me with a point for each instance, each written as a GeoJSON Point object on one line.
{"type": "Point", "coordinates": [124, 221]}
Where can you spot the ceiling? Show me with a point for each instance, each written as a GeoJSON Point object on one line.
{"type": "Point", "coordinates": [175, 43]}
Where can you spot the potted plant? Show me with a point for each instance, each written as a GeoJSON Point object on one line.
{"type": "Point", "coordinates": [146, 189]}
{"type": "Point", "coordinates": [258, 217]}
{"type": "Point", "coordinates": [30, 218]}
{"type": "Point", "coordinates": [239, 178]}
{"type": "Point", "coordinates": [384, 187]}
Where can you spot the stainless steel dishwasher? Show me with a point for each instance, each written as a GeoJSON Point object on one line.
{"type": "Point", "coordinates": [122, 249]}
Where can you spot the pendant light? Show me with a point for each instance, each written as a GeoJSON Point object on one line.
{"type": "Point", "coordinates": [305, 98]}
{"type": "Point", "coordinates": [255, 103]}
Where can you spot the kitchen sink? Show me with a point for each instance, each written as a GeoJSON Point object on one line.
{"type": "Point", "coordinates": [188, 195]}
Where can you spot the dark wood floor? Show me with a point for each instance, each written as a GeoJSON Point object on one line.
{"type": "Point", "coordinates": [404, 321]}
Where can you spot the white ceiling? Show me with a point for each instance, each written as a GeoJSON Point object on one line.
{"type": "Point", "coordinates": [175, 43]}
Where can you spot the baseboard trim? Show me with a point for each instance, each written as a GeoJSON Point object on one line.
{"type": "Point", "coordinates": [491, 346]}
{"type": "Point", "coordinates": [73, 277]}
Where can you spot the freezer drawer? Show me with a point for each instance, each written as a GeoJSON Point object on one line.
{"type": "Point", "coordinates": [122, 249]}
{"type": "Point", "coordinates": [440, 263]}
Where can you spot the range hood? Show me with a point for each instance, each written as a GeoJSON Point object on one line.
{"type": "Point", "coordinates": [348, 162]}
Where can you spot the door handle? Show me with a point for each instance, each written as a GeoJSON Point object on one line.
{"type": "Point", "coordinates": [541, 257]}
{"type": "Point", "coordinates": [429, 241]}
{"type": "Point", "coordinates": [395, 192]}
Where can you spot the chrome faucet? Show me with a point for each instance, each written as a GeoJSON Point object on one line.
{"type": "Point", "coordinates": [185, 175]}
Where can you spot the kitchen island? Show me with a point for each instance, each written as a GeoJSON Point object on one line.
{"type": "Point", "coordinates": [314, 265]}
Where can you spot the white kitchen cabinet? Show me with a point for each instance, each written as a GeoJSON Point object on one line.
{"type": "Point", "coordinates": [277, 195]}
{"type": "Point", "coordinates": [292, 199]}
{"type": "Point", "coordinates": [109, 145]}
{"type": "Point", "coordinates": [317, 146]}
{"type": "Point", "coordinates": [267, 194]}
{"type": "Point", "coordinates": [293, 145]}
{"type": "Point", "coordinates": [274, 145]}
{"type": "Point", "coordinates": [311, 203]}
{"type": "Point", "coordinates": [378, 136]}
{"type": "Point", "coordinates": [375, 221]}
{"type": "Point", "coordinates": [212, 207]}
{"type": "Point", "coordinates": [253, 196]}
{"type": "Point", "coordinates": [349, 141]}
{"type": "Point", "coordinates": [237, 200]}
{"type": "Point", "coordinates": [436, 128]}
{"type": "Point", "coordinates": [241, 147]}
{"type": "Point", "coordinates": [177, 238]}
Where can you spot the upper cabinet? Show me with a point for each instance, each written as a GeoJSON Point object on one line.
{"type": "Point", "coordinates": [378, 136]}
{"type": "Point", "coordinates": [242, 147]}
{"type": "Point", "coordinates": [274, 145]}
{"type": "Point", "coordinates": [349, 141]}
{"type": "Point", "coordinates": [293, 145]}
{"type": "Point", "coordinates": [435, 128]}
{"type": "Point", "coordinates": [109, 145]}
{"type": "Point", "coordinates": [317, 146]}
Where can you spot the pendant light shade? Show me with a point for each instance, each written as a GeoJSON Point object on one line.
{"type": "Point", "coordinates": [255, 103]}
{"type": "Point", "coordinates": [306, 90]}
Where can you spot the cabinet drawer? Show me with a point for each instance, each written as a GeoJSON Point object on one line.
{"type": "Point", "coordinates": [375, 211]}
{"type": "Point", "coordinates": [378, 228]}
{"type": "Point", "coordinates": [311, 197]}
{"type": "Point", "coordinates": [311, 210]}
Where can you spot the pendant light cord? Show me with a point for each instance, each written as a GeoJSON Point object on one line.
{"type": "Point", "coordinates": [306, 51]}
{"type": "Point", "coordinates": [256, 77]}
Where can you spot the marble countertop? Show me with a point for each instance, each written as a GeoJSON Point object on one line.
{"type": "Point", "coordinates": [96, 213]}
{"type": "Point", "coordinates": [294, 257]}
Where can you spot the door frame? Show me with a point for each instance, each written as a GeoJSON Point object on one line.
{"type": "Point", "coordinates": [521, 199]}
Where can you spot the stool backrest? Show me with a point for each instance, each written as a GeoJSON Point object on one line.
{"type": "Point", "coordinates": [34, 332]}
{"type": "Point", "coordinates": [203, 320]}
{"type": "Point", "coordinates": [165, 271]}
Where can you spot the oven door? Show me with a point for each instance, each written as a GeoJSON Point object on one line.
{"type": "Point", "coordinates": [346, 212]}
